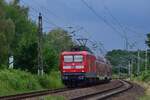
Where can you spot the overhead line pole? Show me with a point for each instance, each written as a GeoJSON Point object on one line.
{"type": "Point", "coordinates": [129, 68]}
{"type": "Point", "coordinates": [146, 59]}
{"type": "Point", "coordinates": [40, 42]}
{"type": "Point", "coordinates": [138, 63]}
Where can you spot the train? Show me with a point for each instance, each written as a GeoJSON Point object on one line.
{"type": "Point", "coordinates": [79, 67]}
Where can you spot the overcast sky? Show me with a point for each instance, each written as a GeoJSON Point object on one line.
{"type": "Point", "coordinates": [132, 15]}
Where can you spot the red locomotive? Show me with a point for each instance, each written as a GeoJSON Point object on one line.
{"type": "Point", "coordinates": [82, 66]}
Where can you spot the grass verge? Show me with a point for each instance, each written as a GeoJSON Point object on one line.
{"type": "Point", "coordinates": [144, 81]}
{"type": "Point", "coordinates": [16, 81]}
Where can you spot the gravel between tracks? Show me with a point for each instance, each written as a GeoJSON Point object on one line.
{"type": "Point", "coordinates": [131, 94]}
{"type": "Point", "coordinates": [88, 90]}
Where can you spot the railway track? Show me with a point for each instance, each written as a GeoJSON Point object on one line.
{"type": "Point", "coordinates": [106, 93]}
{"type": "Point", "coordinates": [32, 94]}
{"type": "Point", "coordinates": [89, 93]}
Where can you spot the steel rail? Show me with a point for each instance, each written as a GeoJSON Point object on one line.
{"type": "Point", "coordinates": [107, 93]}
{"type": "Point", "coordinates": [32, 94]}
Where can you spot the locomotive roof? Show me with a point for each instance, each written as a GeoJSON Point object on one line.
{"type": "Point", "coordinates": [76, 52]}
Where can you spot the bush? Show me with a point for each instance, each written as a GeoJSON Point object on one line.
{"type": "Point", "coordinates": [145, 76]}
{"type": "Point", "coordinates": [51, 81]}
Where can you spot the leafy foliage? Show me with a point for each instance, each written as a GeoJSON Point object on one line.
{"type": "Point", "coordinates": [145, 76]}
{"type": "Point", "coordinates": [148, 39]}
{"type": "Point", "coordinates": [18, 37]}
{"type": "Point", "coordinates": [59, 39]}
{"type": "Point", "coordinates": [121, 58]}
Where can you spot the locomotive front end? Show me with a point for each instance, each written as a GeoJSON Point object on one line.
{"type": "Point", "coordinates": [72, 67]}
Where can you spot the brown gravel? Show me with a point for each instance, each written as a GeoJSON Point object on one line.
{"type": "Point", "coordinates": [89, 90]}
{"type": "Point", "coordinates": [132, 94]}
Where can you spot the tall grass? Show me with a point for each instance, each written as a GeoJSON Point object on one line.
{"type": "Point", "coordinates": [51, 81]}
{"type": "Point", "coordinates": [144, 80]}
{"type": "Point", "coordinates": [16, 81]}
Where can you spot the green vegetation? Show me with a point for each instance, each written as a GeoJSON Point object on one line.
{"type": "Point", "coordinates": [16, 81]}
{"type": "Point", "coordinates": [144, 80]}
{"type": "Point", "coordinates": [52, 80]}
{"type": "Point", "coordinates": [18, 37]}
{"type": "Point", "coordinates": [121, 58]}
{"type": "Point", "coordinates": [144, 76]}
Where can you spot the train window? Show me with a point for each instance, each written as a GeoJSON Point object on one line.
{"type": "Point", "coordinates": [78, 58]}
{"type": "Point", "coordinates": [68, 58]}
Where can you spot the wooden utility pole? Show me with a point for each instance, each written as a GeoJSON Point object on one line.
{"type": "Point", "coordinates": [40, 42]}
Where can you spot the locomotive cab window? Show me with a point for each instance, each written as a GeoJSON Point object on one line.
{"type": "Point", "coordinates": [68, 58]}
{"type": "Point", "coordinates": [78, 58]}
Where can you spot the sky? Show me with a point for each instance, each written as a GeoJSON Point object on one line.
{"type": "Point", "coordinates": [114, 21]}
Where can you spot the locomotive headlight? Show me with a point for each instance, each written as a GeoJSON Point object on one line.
{"type": "Point", "coordinates": [79, 67]}
{"type": "Point", "coordinates": [66, 67]}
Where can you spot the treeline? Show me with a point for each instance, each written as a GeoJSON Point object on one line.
{"type": "Point", "coordinates": [120, 60]}
{"type": "Point", "coordinates": [18, 38]}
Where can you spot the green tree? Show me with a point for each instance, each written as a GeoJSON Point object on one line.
{"type": "Point", "coordinates": [122, 57]}
{"type": "Point", "coordinates": [148, 40]}
{"type": "Point", "coordinates": [18, 36]}
{"type": "Point", "coordinates": [59, 39]}
{"type": "Point", "coordinates": [7, 32]}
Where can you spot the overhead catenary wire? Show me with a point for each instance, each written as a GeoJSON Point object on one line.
{"type": "Point", "coordinates": [101, 18]}
{"type": "Point", "coordinates": [49, 12]}
{"type": "Point", "coordinates": [131, 45]}
{"type": "Point", "coordinates": [45, 19]}
{"type": "Point", "coordinates": [120, 26]}
{"type": "Point", "coordinates": [91, 41]}
{"type": "Point", "coordinates": [123, 28]}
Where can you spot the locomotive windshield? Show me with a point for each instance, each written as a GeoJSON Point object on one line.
{"type": "Point", "coordinates": [73, 58]}
{"type": "Point", "coordinates": [68, 58]}
{"type": "Point", "coordinates": [78, 58]}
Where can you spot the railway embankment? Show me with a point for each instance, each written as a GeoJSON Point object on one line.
{"type": "Point", "coordinates": [140, 90]}
{"type": "Point", "coordinates": [144, 81]}
{"type": "Point", "coordinates": [16, 81]}
{"type": "Point", "coordinates": [134, 93]}
{"type": "Point", "coordinates": [146, 87]}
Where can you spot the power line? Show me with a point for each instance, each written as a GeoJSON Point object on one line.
{"type": "Point", "coordinates": [48, 10]}
{"type": "Point", "coordinates": [69, 7]}
{"type": "Point", "coordinates": [127, 44]}
{"type": "Point", "coordinates": [122, 27]}
{"type": "Point", "coordinates": [101, 18]}
{"type": "Point", "coordinates": [45, 18]}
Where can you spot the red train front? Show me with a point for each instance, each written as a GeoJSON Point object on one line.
{"type": "Point", "coordinates": [81, 66]}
